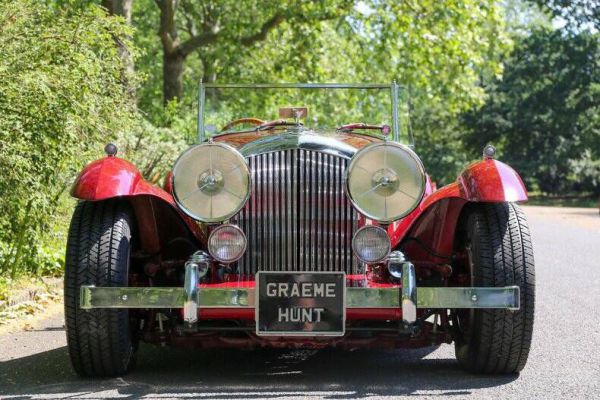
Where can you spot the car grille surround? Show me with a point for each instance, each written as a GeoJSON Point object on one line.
{"type": "Point", "coordinates": [298, 217]}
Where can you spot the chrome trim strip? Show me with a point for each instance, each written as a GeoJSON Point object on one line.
{"type": "Point", "coordinates": [201, 101]}
{"type": "Point", "coordinates": [307, 140]}
{"type": "Point", "coordinates": [92, 297]}
{"type": "Point", "coordinates": [131, 297]}
{"type": "Point", "coordinates": [162, 297]}
{"type": "Point", "coordinates": [372, 298]}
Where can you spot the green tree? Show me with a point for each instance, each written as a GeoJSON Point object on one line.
{"type": "Point", "coordinates": [60, 95]}
{"type": "Point", "coordinates": [577, 14]}
{"type": "Point", "coordinates": [186, 27]}
{"type": "Point", "coordinates": [416, 42]}
{"type": "Point", "coordinates": [441, 51]}
{"type": "Point", "coordinates": [543, 115]}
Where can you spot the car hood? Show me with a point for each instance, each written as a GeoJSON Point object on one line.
{"type": "Point", "coordinates": [333, 142]}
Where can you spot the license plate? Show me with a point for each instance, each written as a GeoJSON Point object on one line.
{"type": "Point", "coordinates": [300, 303]}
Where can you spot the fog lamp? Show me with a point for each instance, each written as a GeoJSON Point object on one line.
{"type": "Point", "coordinates": [227, 243]}
{"type": "Point", "coordinates": [371, 244]}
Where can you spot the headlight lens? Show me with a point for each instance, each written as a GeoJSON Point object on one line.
{"type": "Point", "coordinates": [385, 181]}
{"type": "Point", "coordinates": [211, 182]}
{"type": "Point", "coordinates": [227, 243]}
{"type": "Point", "coordinates": [371, 244]}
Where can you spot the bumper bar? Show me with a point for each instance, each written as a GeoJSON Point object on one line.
{"type": "Point", "coordinates": [175, 297]}
{"type": "Point", "coordinates": [191, 298]}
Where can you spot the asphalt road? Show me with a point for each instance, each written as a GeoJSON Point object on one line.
{"type": "Point", "coordinates": [564, 361]}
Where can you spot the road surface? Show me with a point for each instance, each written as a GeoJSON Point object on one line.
{"type": "Point", "coordinates": [564, 360]}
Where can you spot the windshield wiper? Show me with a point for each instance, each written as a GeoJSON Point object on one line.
{"type": "Point", "coordinates": [276, 123]}
{"type": "Point", "coordinates": [385, 129]}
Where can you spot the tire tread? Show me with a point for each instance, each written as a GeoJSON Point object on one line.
{"type": "Point", "coordinates": [99, 341]}
{"type": "Point", "coordinates": [503, 256]}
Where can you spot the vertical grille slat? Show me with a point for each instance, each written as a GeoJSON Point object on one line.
{"type": "Point", "coordinates": [298, 217]}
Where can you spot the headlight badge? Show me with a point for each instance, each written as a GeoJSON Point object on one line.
{"type": "Point", "coordinates": [385, 181]}
{"type": "Point", "coordinates": [211, 182]}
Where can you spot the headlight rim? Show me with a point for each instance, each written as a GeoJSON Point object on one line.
{"type": "Point", "coordinates": [243, 203]}
{"type": "Point", "coordinates": [224, 226]}
{"type": "Point", "coordinates": [420, 167]}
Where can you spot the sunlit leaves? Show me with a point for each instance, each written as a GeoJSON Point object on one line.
{"type": "Point", "coordinates": [61, 94]}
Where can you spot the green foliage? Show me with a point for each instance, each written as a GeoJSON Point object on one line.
{"type": "Point", "coordinates": [153, 150]}
{"type": "Point", "coordinates": [60, 94]}
{"type": "Point", "coordinates": [64, 90]}
{"type": "Point", "coordinates": [576, 14]}
{"type": "Point", "coordinates": [439, 49]}
{"type": "Point", "coordinates": [438, 136]}
{"type": "Point", "coordinates": [545, 114]}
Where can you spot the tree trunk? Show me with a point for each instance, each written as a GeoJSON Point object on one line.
{"type": "Point", "coordinates": [123, 8]}
{"type": "Point", "coordinates": [172, 76]}
{"type": "Point", "coordinates": [208, 75]}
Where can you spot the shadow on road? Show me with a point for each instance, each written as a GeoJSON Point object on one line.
{"type": "Point", "coordinates": [229, 374]}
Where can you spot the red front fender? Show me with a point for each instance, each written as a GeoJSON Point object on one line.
{"type": "Point", "coordinates": [114, 177]}
{"type": "Point", "coordinates": [434, 221]}
{"type": "Point", "coordinates": [155, 208]}
{"type": "Point", "coordinates": [491, 181]}
{"type": "Point", "coordinates": [488, 181]}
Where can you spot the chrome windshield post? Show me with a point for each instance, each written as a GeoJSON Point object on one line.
{"type": "Point", "coordinates": [395, 119]}
{"type": "Point", "coordinates": [195, 269]}
{"type": "Point", "coordinates": [201, 100]}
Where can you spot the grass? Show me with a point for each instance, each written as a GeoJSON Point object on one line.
{"type": "Point", "coordinates": [10, 287]}
{"type": "Point", "coordinates": [25, 296]}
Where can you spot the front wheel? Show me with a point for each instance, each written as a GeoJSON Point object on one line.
{"type": "Point", "coordinates": [100, 341]}
{"type": "Point", "coordinates": [499, 253]}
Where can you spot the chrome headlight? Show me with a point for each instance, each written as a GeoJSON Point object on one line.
{"type": "Point", "coordinates": [385, 181]}
{"type": "Point", "coordinates": [371, 244]}
{"type": "Point", "coordinates": [211, 182]}
{"type": "Point", "coordinates": [227, 243]}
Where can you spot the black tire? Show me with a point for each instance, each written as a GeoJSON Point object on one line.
{"type": "Point", "coordinates": [498, 242]}
{"type": "Point", "coordinates": [100, 341]}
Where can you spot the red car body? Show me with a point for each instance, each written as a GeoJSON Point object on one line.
{"type": "Point", "coordinates": [433, 223]}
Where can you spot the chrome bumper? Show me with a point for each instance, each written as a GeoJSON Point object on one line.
{"type": "Point", "coordinates": [191, 298]}
{"type": "Point", "coordinates": [175, 297]}
{"type": "Point", "coordinates": [409, 297]}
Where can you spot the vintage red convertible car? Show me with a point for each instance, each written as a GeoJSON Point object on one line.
{"type": "Point", "coordinates": [305, 231]}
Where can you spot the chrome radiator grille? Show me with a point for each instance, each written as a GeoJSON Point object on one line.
{"type": "Point", "coordinates": [298, 217]}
